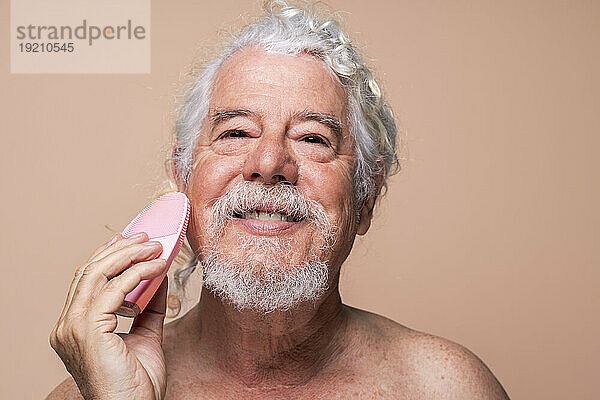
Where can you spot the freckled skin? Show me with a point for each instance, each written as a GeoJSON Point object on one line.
{"type": "Point", "coordinates": [325, 350]}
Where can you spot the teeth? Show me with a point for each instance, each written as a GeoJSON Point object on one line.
{"type": "Point", "coordinates": [265, 216]}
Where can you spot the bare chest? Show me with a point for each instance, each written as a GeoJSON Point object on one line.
{"type": "Point", "coordinates": [376, 384]}
{"type": "Point", "coordinates": [210, 392]}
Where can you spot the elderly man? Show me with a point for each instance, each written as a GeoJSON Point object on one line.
{"type": "Point", "coordinates": [283, 145]}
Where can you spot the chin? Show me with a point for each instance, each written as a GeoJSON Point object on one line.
{"type": "Point", "coordinates": [264, 277]}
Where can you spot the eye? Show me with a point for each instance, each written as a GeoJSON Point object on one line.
{"type": "Point", "coordinates": [233, 134]}
{"type": "Point", "coordinates": [316, 139]}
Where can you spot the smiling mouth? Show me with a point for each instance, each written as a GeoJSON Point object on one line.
{"type": "Point", "coordinates": [261, 215]}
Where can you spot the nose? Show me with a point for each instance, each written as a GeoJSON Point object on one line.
{"type": "Point", "coordinates": [270, 162]}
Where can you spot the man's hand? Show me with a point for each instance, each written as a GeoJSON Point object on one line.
{"type": "Point", "coordinates": [106, 365]}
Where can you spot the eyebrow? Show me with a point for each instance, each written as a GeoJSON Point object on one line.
{"type": "Point", "coordinates": [329, 120]}
{"type": "Point", "coordinates": [218, 116]}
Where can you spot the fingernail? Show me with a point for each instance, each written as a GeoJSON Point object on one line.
{"type": "Point", "coordinates": [151, 244]}
{"type": "Point", "coordinates": [114, 239]}
{"type": "Point", "coordinates": [136, 236]}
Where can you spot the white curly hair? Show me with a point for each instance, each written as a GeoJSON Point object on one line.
{"type": "Point", "coordinates": [294, 30]}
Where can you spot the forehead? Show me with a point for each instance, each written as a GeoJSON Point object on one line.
{"type": "Point", "coordinates": [277, 83]}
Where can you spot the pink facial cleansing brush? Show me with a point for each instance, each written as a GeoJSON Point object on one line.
{"type": "Point", "coordinates": [165, 220]}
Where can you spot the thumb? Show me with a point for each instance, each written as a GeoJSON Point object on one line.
{"type": "Point", "coordinates": [150, 322]}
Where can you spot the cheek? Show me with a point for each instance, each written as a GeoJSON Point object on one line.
{"type": "Point", "coordinates": [210, 175]}
{"type": "Point", "coordinates": [347, 195]}
{"type": "Point", "coordinates": [332, 186]}
{"type": "Point", "coordinates": [209, 179]}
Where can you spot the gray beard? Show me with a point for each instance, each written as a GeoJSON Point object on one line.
{"type": "Point", "coordinates": [266, 280]}
{"type": "Point", "coordinates": [264, 286]}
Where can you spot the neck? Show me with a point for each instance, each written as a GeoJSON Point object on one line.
{"type": "Point", "coordinates": [270, 350]}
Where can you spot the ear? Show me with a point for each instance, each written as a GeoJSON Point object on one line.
{"type": "Point", "coordinates": [366, 212]}
{"type": "Point", "coordinates": [181, 185]}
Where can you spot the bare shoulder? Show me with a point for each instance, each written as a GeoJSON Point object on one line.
{"type": "Point", "coordinates": [446, 368]}
{"type": "Point", "coordinates": [67, 390]}
{"type": "Point", "coordinates": [429, 366]}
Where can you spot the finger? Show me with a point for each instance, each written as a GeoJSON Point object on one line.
{"type": "Point", "coordinates": [150, 322]}
{"type": "Point", "coordinates": [79, 272]}
{"type": "Point", "coordinates": [97, 275]}
{"type": "Point", "coordinates": [100, 248]}
{"type": "Point", "coordinates": [111, 298]}
{"type": "Point", "coordinates": [118, 244]}
{"type": "Point", "coordinates": [99, 252]}
{"type": "Point", "coordinates": [114, 263]}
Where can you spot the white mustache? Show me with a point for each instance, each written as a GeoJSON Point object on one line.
{"type": "Point", "coordinates": [282, 198]}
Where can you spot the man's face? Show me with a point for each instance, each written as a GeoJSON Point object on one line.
{"type": "Point", "coordinates": [271, 188]}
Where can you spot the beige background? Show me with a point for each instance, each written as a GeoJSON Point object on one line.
{"type": "Point", "coordinates": [488, 237]}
